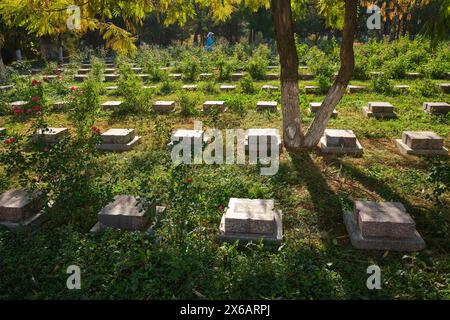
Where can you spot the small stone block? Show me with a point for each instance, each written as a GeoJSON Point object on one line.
{"type": "Point", "coordinates": [18, 205]}
{"type": "Point", "coordinates": [251, 220]}
{"type": "Point", "coordinates": [137, 70]}
{"type": "Point", "coordinates": [112, 88]}
{"type": "Point", "coordinates": [384, 219]}
{"type": "Point", "coordinates": [84, 71]}
{"type": "Point", "coordinates": [120, 147]}
{"type": "Point", "coordinates": [422, 140]}
{"type": "Point", "coordinates": [111, 77]}
{"type": "Point", "coordinates": [18, 104]}
{"type": "Point", "coordinates": [237, 76]}
{"type": "Point", "coordinates": [218, 105]}
{"type": "Point", "coordinates": [227, 87]}
{"type": "Point", "coordinates": [80, 77]}
{"type": "Point", "coordinates": [380, 107]}
{"type": "Point", "coordinates": [272, 76]}
{"type": "Point", "coordinates": [109, 71]}
{"type": "Point", "coordinates": [60, 105]}
{"type": "Point", "coordinates": [175, 76]}
{"type": "Point", "coordinates": [118, 136]}
{"type": "Point", "coordinates": [444, 87]}
{"type": "Point", "coordinates": [111, 105]}
{"type": "Point", "coordinates": [204, 76]}
{"type": "Point", "coordinates": [354, 89]}
{"type": "Point", "coordinates": [340, 142]}
{"type": "Point", "coordinates": [266, 106]}
{"type": "Point", "coordinates": [164, 106]}
{"type": "Point", "coordinates": [189, 87]}
{"type": "Point", "coordinates": [414, 75]}
{"type": "Point", "coordinates": [144, 77]}
{"type": "Point", "coordinates": [49, 135]}
{"type": "Point", "coordinates": [401, 87]}
{"type": "Point", "coordinates": [269, 88]}
{"type": "Point", "coordinates": [6, 88]}
{"type": "Point", "coordinates": [436, 107]}
{"type": "Point", "coordinates": [311, 89]}
{"type": "Point", "coordinates": [315, 106]}
{"type": "Point", "coordinates": [125, 212]}
{"type": "Point", "coordinates": [306, 76]}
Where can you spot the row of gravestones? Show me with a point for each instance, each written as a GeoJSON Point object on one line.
{"type": "Point", "coordinates": [371, 225]}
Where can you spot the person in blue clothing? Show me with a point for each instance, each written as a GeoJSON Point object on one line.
{"type": "Point", "coordinates": [209, 41]}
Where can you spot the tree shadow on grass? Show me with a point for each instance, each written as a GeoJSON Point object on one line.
{"type": "Point", "coordinates": [325, 201]}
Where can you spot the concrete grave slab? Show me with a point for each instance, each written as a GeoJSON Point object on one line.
{"type": "Point", "coordinates": [315, 106]}
{"type": "Point", "coordinates": [214, 105]}
{"type": "Point", "coordinates": [111, 105]}
{"type": "Point", "coordinates": [269, 88]}
{"type": "Point", "coordinates": [421, 143]}
{"type": "Point", "coordinates": [228, 87]}
{"type": "Point", "coordinates": [20, 208]}
{"type": "Point", "coordinates": [380, 110]}
{"type": "Point", "coordinates": [164, 106]}
{"type": "Point", "coordinates": [336, 141]}
{"type": "Point", "coordinates": [436, 107]}
{"type": "Point", "coordinates": [444, 87]}
{"type": "Point", "coordinates": [112, 77]}
{"type": "Point", "coordinates": [267, 106]}
{"type": "Point", "coordinates": [119, 140]}
{"type": "Point", "coordinates": [49, 135]}
{"type": "Point", "coordinates": [354, 89]}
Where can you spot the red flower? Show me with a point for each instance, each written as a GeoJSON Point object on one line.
{"type": "Point", "coordinates": [38, 113]}
{"type": "Point", "coordinates": [6, 141]}
{"type": "Point", "coordinates": [57, 70]}
{"type": "Point", "coordinates": [45, 149]}
{"type": "Point", "coordinates": [221, 207]}
{"type": "Point", "coordinates": [189, 180]}
{"type": "Point", "coordinates": [13, 139]}
{"type": "Point", "coordinates": [35, 99]}
{"type": "Point", "coordinates": [35, 83]}
{"type": "Point", "coordinates": [17, 110]}
{"type": "Point", "coordinates": [95, 130]}
{"type": "Point", "coordinates": [37, 108]}
{"type": "Point", "coordinates": [29, 110]}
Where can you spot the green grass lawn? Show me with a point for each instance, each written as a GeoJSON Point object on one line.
{"type": "Point", "coordinates": [183, 259]}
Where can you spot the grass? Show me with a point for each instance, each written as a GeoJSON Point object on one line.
{"type": "Point", "coordinates": [182, 258]}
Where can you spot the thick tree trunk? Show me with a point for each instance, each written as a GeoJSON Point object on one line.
{"type": "Point", "coordinates": [284, 35]}
{"type": "Point", "coordinates": [336, 92]}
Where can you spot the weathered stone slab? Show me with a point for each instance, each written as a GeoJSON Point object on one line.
{"type": "Point", "coordinates": [109, 65]}
{"type": "Point", "coordinates": [272, 76]}
{"type": "Point", "coordinates": [214, 105]}
{"type": "Point", "coordinates": [340, 142]}
{"type": "Point", "coordinates": [315, 106]}
{"type": "Point", "coordinates": [6, 88]}
{"type": "Point", "coordinates": [80, 77]}
{"type": "Point", "coordinates": [228, 87]}
{"type": "Point", "coordinates": [137, 70]}
{"type": "Point", "coordinates": [111, 105]}
{"type": "Point", "coordinates": [18, 104]}
{"type": "Point", "coordinates": [84, 71]}
{"type": "Point", "coordinates": [109, 71]}
{"type": "Point", "coordinates": [119, 140]}
{"type": "Point", "coordinates": [384, 219]}
{"type": "Point", "coordinates": [175, 76]}
{"type": "Point", "coordinates": [269, 88]}
{"type": "Point", "coordinates": [86, 65]}
{"type": "Point", "coordinates": [267, 106]}
{"type": "Point", "coordinates": [49, 135]}
{"type": "Point", "coordinates": [237, 76]}
{"type": "Point", "coordinates": [263, 133]}
{"type": "Point", "coordinates": [144, 77]}
{"type": "Point", "coordinates": [272, 67]}
{"type": "Point", "coordinates": [436, 107]}
{"type": "Point", "coordinates": [376, 73]}
{"type": "Point", "coordinates": [112, 77]}
{"type": "Point", "coordinates": [19, 205]}
{"type": "Point", "coordinates": [414, 75]}
{"type": "Point", "coordinates": [251, 220]}
{"type": "Point", "coordinates": [60, 105]}
{"type": "Point", "coordinates": [112, 88]}
{"type": "Point", "coordinates": [303, 67]}
{"type": "Point", "coordinates": [444, 87]}
{"type": "Point", "coordinates": [401, 87]}
{"type": "Point", "coordinates": [125, 212]}
{"type": "Point", "coordinates": [354, 89]}
{"type": "Point", "coordinates": [206, 76]}
{"type": "Point", "coordinates": [149, 87]}
{"type": "Point", "coordinates": [380, 110]}
{"type": "Point", "coordinates": [189, 87]}
{"type": "Point", "coordinates": [311, 89]}
{"type": "Point", "coordinates": [164, 106]}
{"type": "Point", "coordinates": [187, 136]}
{"type": "Point", "coordinates": [421, 143]}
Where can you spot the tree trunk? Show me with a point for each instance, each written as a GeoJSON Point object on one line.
{"type": "Point", "coordinates": [284, 35]}
{"type": "Point", "coordinates": [2, 69]}
{"type": "Point", "coordinates": [336, 92]}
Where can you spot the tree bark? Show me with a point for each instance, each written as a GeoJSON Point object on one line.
{"type": "Point", "coordinates": [284, 35]}
{"type": "Point", "coordinates": [2, 69]}
{"type": "Point", "coordinates": [339, 87]}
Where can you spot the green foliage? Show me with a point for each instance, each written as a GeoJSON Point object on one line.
{"type": "Point", "coordinates": [424, 87]}
{"type": "Point", "coordinates": [188, 102]}
{"type": "Point", "coordinates": [257, 67]}
{"type": "Point", "coordinates": [136, 99]}
{"type": "Point", "coordinates": [209, 87]}
{"type": "Point", "coordinates": [247, 85]}
{"type": "Point", "coordinates": [381, 83]}
{"type": "Point", "coordinates": [439, 177]}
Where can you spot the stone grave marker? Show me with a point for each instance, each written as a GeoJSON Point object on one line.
{"type": "Point", "coordinates": [84, 71]}
{"type": "Point", "coordinates": [268, 87]}
{"type": "Point", "coordinates": [336, 141]}
{"type": "Point", "coordinates": [49, 135]}
{"type": "Point", "coordinates": [175, 76]}
{"type": "Point", "coordinates": [237, 76]}
{"type": "Point", "coordinates": [315, 106]}
{"type": "Point", "coordinates": [6, 88]}
{"type": "Point", "coordinates": [164, 106]}
{"type": "Point", "coordinates": [227, 87]}
{"type": "Point", "coordinates": [111, 77]}
{"type": "Point", "coordinates": [421, 143]}
{"type": "Point", "coordinates": [354, 89]}
{"type": "Point", "coordinates": [189, 87]}
{"type": "Point", "coordinates": [214, 105]}
{"type": "Point", "coordinates": [111, 105]}
{"type": "Point", "coordinates": [306, 76]}
{"type": "Point", "coordinates": [382, 226]}
{"type": "Point", "coordinates": [414, 75]}
{"type": "Point", "coordinates": [60, 105]}
{"type": "Point", "coordinates": [436, 107]}
{"type": "Point", "coordinates": [272, 76]}
{"type": "Point", "coordinates": [380, 110]}
{"type": "Point", "coordinates": [311, 89]}
{"type": "Point", "coordinates": [80, 77]}
{"type": "Point", "coordinates": [21, 208]}
{"type": "Point", "coordinates": [250, 220]}
{"type": "Point", "coordinates": [119, 140]}
{"type": "Point", "coordinates": [267, 106]}
{"type": "Point", "coordinates": [444, 87]}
